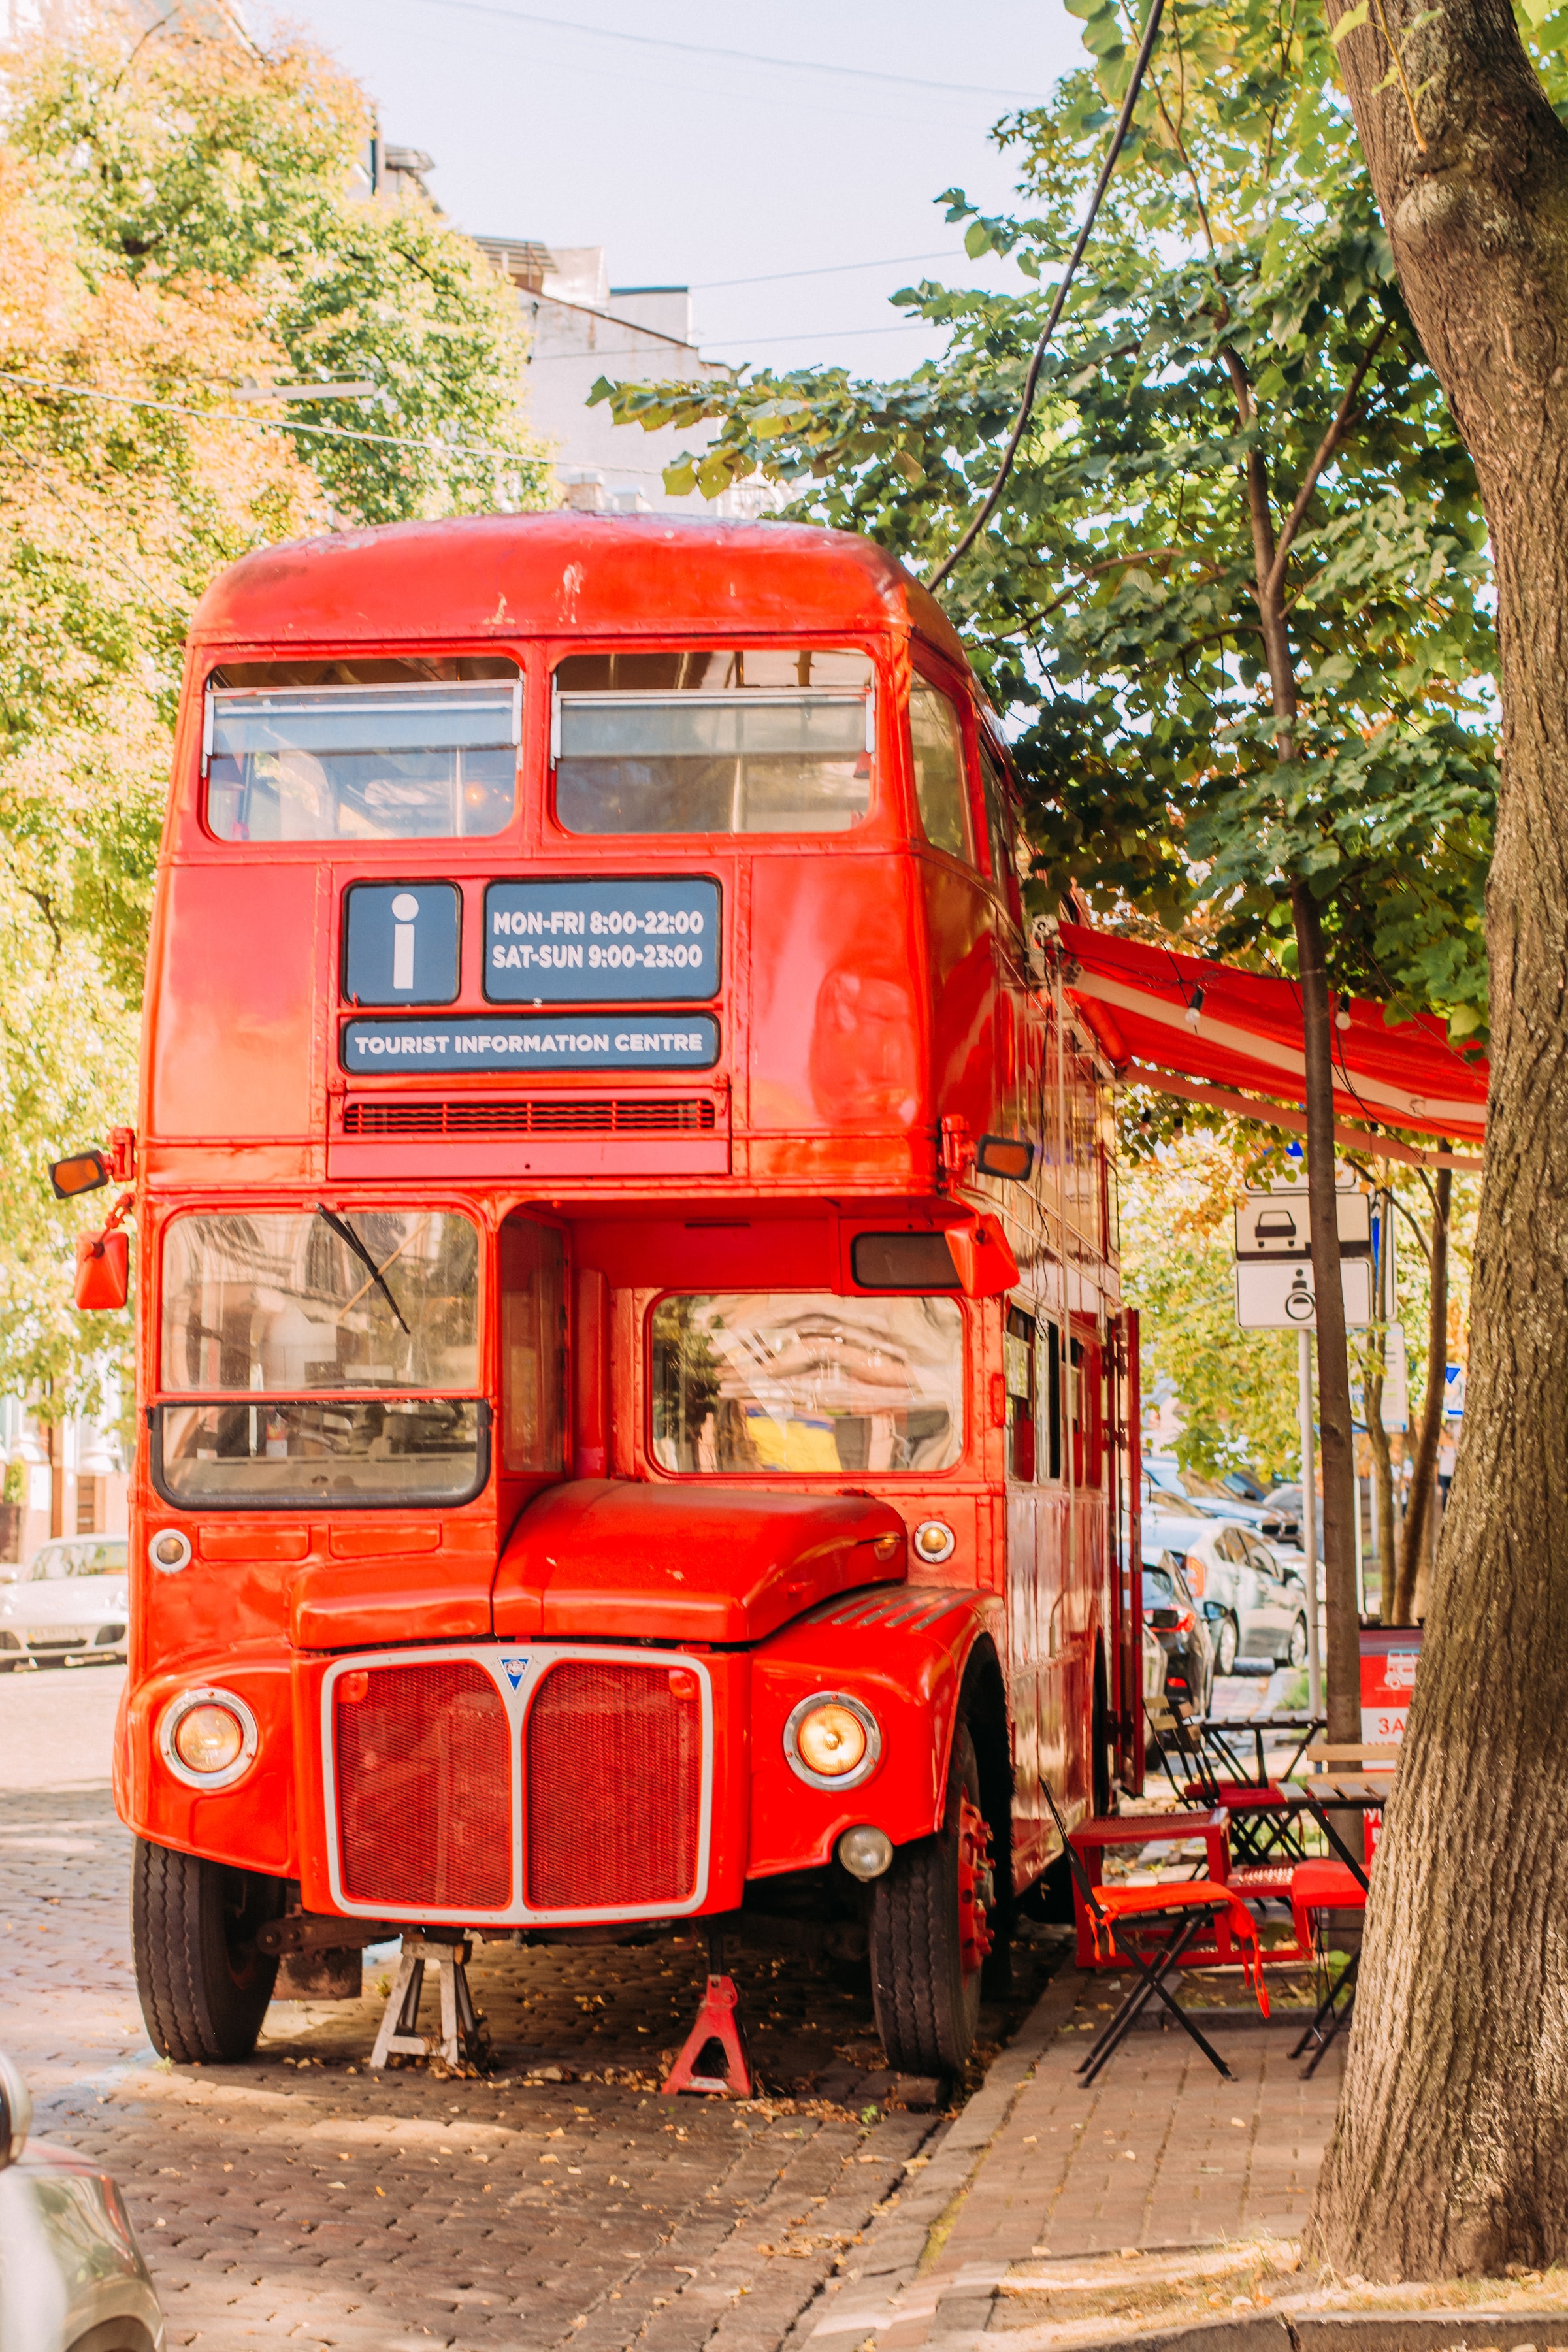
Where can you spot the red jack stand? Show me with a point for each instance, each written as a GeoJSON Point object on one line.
{"type": "Point", "coordinates": [718, 2020]}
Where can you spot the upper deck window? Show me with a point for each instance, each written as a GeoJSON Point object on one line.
{"type": "Point", "coordinates": [936, 738]}
{"type": "Point", "coordinates": [426, 762]}
{"type": "Point", "coordinates": [735, 740]}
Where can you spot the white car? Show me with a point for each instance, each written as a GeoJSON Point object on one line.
{"type": "Point", "coordinates": [70, 1605]}
{"type": "Point", "coordinates": [1255, 1602]}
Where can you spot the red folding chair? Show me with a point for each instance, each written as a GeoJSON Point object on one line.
{"type": "Point", "coordinates": [1315, 1887]}
{"type": "Point", "coordinates": [1258, 1809]}
{"type": "Point", "coordinates": [1166, 1919]}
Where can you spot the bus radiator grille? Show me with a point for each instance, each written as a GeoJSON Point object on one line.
{"type": "Point", "coordinates": [552, 1114]}
{"type": "Point", "coordinates": [424, 1788]}
{"type": "Point", "coordinates": [613, 1778]}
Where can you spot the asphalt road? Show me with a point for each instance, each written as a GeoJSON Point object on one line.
{"type": "Point", "coordinates": [300, 2200]}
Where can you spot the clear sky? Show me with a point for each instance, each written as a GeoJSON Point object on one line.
{"type": "Point", "coordinates": [689, 165]}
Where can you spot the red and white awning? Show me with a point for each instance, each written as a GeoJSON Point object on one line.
{"type": "Point", "coordinates": [1188, 1025]}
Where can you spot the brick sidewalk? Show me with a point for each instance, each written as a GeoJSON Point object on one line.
{"type": "Point", "coordinates": [1161, 2153]}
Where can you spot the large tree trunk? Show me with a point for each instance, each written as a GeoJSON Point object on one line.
{"type": "Point", "coordinates": [1337, 1435]}
{"type": "Point", "coordinates": [1450, 2153]}
{"type": "Point", "coordinates": [1414, 1549]}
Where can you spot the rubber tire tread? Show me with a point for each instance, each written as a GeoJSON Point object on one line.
{"type": "Point", "coordinates": [194, 2006]}
{"type": "Point", "coordinates": [926, 2016]}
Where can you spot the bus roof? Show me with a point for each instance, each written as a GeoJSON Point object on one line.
{"type": "Point", "coordinates": [505, 577]}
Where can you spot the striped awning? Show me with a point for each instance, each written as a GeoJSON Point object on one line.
{"type": "Point", "coordinates": [1161, 1016]}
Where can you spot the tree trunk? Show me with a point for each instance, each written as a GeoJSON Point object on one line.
{"type": "Point", "coordinates": [1450, 2151]}
{"type": "Point", "coordinates": [1336, 1436]}
{"type": "Point", "coordinates": [1414, 1550]}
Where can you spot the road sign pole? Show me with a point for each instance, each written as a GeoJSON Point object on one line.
{"type": "Point", "coordinates": [1309, 1519]}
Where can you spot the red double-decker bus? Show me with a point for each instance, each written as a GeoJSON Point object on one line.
{"type": "Point", "coordinates": [636, 1422]}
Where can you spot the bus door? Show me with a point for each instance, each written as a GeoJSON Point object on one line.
{"type": "Point", "coordinates": [1020, 1359]}
{"type": "Point", "coordinates": [1125, 1663]}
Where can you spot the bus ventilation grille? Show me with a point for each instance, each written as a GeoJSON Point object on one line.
{"type": "Point", "coordinates": [424, 1788]}
{"type": "Point", "coordinates": [550, 1115]}
{"type": "Point", "coordinates": [613, 1776]}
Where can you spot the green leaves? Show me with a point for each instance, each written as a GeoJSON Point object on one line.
{"type": "Point", "coordinates": [1239, 280]}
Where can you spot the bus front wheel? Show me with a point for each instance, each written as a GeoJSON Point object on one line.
{"type": "Point", "coordinates": [202, 1984]}
{"type": "Point", "coordinates": [931, 1928]}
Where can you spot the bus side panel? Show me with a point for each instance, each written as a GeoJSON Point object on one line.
{"type": "Point", "coordinates": [235, 954]}
{"type": "Point", "coordinates": [959, 919]}
{"type": "Point", "coordinates": [837, 1029]}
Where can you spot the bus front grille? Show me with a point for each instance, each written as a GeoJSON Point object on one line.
{"type": "Point", "coordinates": [534, 1115]}
{"type": "Point", "coordinates": [423, 1787]}
{"type": "Point", "coordinates": [612, 1775]}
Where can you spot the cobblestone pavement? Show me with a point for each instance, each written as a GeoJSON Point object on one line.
{"type": "Point", "coordinates": [300, 2200]}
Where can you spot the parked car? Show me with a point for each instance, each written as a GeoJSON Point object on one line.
{"type": "Point", "coordinates": [71, 2274]}
{"type": "Point", "coordinates": [1179, 1625]}
{"type": "Point", "coordinates": [1255, 1603]}
{"type": "Point", "coordinates": [1281, 1520]}
{"type": "Point", "coordinates": [71, 1604]}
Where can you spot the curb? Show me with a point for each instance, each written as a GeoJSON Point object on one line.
{"type": "Point", "coordinates": [1348, 2331]}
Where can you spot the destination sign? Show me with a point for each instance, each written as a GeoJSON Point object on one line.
{"type": "Point", "coordinates": [598, 942]}
{"type": "Point", "coordinates": [680, 1041]}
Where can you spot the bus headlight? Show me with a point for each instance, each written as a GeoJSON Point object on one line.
{"type": "Point", "coordinates": [208, 1738]}
{"type": "Point", "coordinates": [866, 1853]}
{"type": "Point", "coordinates": [832, 1741]}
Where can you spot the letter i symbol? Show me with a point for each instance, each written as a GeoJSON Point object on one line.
{"type": "Point", "coordinates": [404, 907]}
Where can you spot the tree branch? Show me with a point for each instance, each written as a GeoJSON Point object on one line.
{"type": "Point", "coordinates": [1336, 433]}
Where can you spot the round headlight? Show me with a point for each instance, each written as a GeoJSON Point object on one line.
{"type": "Point", "coordinates": [933, 1540]}
{"type": "Point", "coordinates": [170, 1551]}
{"type": "Point", "coordinates": [208, 1738]}
{"type": "Point", "coordinates": [832, 1741]}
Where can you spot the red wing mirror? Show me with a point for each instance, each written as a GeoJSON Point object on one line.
{"type": "Point", "coordinates": [84, 1172]}
{"type": "Point", "coordinates": [1005, 1155]}
{"type": "Point", "coordinates": [103, 1271]}
{"type": "Point", "coordinates": [984, 1263]}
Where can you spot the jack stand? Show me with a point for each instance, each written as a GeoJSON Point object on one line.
{"type": "Point", "coordinates": [718, 2020]}
{"type": "Point", "coordinates": [462, 2035]}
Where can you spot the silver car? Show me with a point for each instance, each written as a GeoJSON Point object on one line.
{"type": "Point", "coordinates": [69, 1605]}
{"type": "Point", "coordinates": [71, 2274]}
{"type": "Point", "coordinates": [1255, 1603]}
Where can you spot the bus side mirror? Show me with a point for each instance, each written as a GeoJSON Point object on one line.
{"type": "Point", "coordinates": [84, 1172]}
{"type": "Point", "coordinates": [985, 1264]}
{"type": "Point", "coordinates": [1005, 1155]}
{"type": "Point", "coordinates": [102, 1272]}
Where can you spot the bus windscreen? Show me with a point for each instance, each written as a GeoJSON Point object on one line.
{"type": "Point", "coordinates": [803, 1381]}
{"type": "Point", "coordinates": [361, 762]}
{"type": "Point", "coordinates": [734, 741]}
{"type": "Point", "coordinates": [277, 1453]}
{"type": "Point", "coordinates": [336, 1298]}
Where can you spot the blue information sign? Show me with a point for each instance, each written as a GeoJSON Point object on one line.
{"type": "Point", "coordinates": [529, 1041]}
{"type": "Point", "coordinates": [400, 942]}
{"type": "Point", "coordinates": [598, 942]}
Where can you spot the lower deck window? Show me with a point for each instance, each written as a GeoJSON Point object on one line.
{"type": "Point", "coordinates": [282, 1452]}
{"type": "Point", "coordinates": [765, 1381]}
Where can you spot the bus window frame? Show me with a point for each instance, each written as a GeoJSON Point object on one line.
{"type": "Point", "coordinates": [396, 847]}
{"type": "Point", "coordinates": [928, 669]}
{"type": "Point", "coordinates": [232, 1504]}
{"type": "Point", "coordinates": [826, 1479]}
{"type": "Point", "coordinates": [883, 822]}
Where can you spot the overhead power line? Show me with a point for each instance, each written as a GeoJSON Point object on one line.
{"type": "Point", "coordinates": [266, 424]}
{"type": "Point", "coordinates": [739, 57]}
{"type": "Point", "coordinates": [833, 270]}
{"type": "Point", "coordinates": [1123, 123]}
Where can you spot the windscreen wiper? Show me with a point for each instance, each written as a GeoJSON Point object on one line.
{"type": "Point", "coordinates": [345, 1233]}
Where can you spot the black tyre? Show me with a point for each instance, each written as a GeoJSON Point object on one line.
{"type": "Point", "coordinates": [1296, 1655]}
{"type": "Point", "coordinates": [930, 1932]}
{"type": "Point", "coordinates": [204, 1985]}
{"type": "Point", "coordinates": [1227, 1642]}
